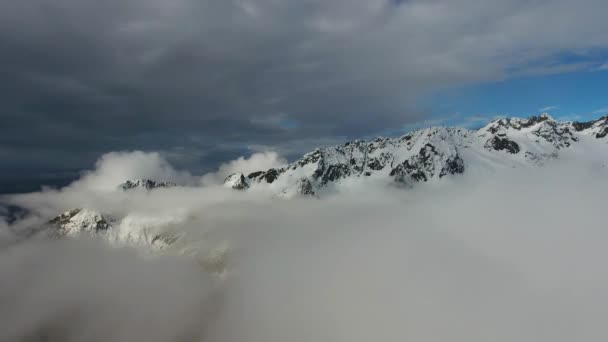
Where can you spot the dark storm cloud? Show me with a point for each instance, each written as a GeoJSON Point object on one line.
{"type": "Point", "coordinates": [212, 78]}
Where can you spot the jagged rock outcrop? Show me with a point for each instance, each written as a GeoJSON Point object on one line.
{"type": "Point", "coordinates": [236, 181]}
{"type": "Point", "coordinates": [142, 183]}
{"type": "Point", "coordinates": [501, 143]}
{"type": "Point", "coordinates": [518, 124]}
{"type": "Point", "coordinates": [427, 164]}
{"type": "Point", "coordinates": [268, 176]}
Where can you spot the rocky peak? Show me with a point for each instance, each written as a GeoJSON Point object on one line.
{"type": "Point", "coordinates": [267, 176]}
{"type": "Point", "coordinates": [546, 116]}
{"type": "Point", "coordinates": [559, 135]}
{"type": "Point", "coordinates": [78, 221]}
{"type": "Point", "coordinates": [142, 183]}
{"type": "Point", "coordinates": [504, 124]}
{"type": "Point", "coordinates": [236, 181]}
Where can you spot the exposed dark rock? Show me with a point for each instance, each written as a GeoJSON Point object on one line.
{"type": "Point", "coordinates": [533, 120]}
{"type": "Point", "coordinates": [305, 188]}
{"type": "Point", "coordinates": [164, 239]}
{"type": "Point", "coordinates": [333, 173]}
{"type": "Point", "coordinates": [453, 166]}
{"type": "Point", "coordinates": [424, 165]}
{"type": "Point", "coordinates": [581, 126]}
{"type": "Point", "coordinates": [416, 167]}
{"type": "Point", "coordinates": [256, 174]}
{"type": "Point", "coordinates": [268, 176]}
{"type": "Point", "coordinates": [271, 175]}
{"type": "Point", "coordinates": [308, 158]}
{"type": "Point", "coordinates": [518, 124]}
{"type": "Point", "coordinates": [406, 138]}
{"type": "Point", "coordinates": [560, 137]}
{"type": "Point", "coordinates": [427, 152]}
{"type": "Point", "coordinates": [236, 181]}
{"type": "Point", "coordinates": [64, 218]}
{"type": "Point", "coordinates": [379, 163]}
{"type": "Point", "coordinates": [500, 144]}
{"type": "Point", "coordinates": [147, 184]}
{"type": "Point", "coordinates": [375, 164]}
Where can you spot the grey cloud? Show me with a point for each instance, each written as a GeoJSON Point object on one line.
{"type": "Point", "coordinates": [80, 78]}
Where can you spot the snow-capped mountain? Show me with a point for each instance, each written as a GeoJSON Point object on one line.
{"type": "Point", "coordinates": [132, 229]}
{"type": "Point", "coordinates": [80, 221]}
{"type": "Point", "coordinates": [428, 154]}
{"type": "Point", "coordinates": [153, 233]}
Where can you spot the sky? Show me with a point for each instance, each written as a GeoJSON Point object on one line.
{"type": "Point", "coordinates": [203, 82]}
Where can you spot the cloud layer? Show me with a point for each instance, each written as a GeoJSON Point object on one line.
{"type": "Point", "coordinates": [203, 81]}
{"type": "Point", "coordinates": [514, 255]}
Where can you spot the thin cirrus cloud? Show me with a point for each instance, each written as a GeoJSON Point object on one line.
{"type": "Point", "coordinates": [548, 108]}
{"type": "Point", "coordinates": [601, 111]}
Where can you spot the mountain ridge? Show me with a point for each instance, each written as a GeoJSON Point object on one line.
{"type": "Point", "coordinates": [426, 154]}
{"type": "Point", "coordinates": [422, 156]}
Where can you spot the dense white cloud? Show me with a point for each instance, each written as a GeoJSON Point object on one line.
{"type": "Point", "coordinates": [514, 255]}
{"type": "Point", "coordinates": [83, 291]}
{"type": "Point", "coordinates": [256, 162]}
{"type": "Point", "coordinates": [114, 168]}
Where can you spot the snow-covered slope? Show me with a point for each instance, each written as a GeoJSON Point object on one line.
{"type": "Point", "coordinates": [428, 155]}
